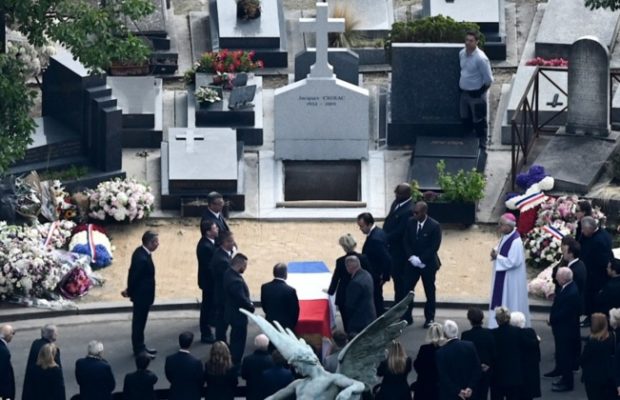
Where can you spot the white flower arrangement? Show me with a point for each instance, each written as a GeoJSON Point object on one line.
{"type": "Point", "coordinates": [542, 286]}
{"type": "Point", "coordinates": [34, 59]}
{"type": "Point", "coordinates": [56, 234]}
{"type": "Point", "coordinates": [121, 199]}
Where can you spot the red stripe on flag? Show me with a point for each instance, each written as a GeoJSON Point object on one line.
{"type": "Point", "coordinates": [314, 318]}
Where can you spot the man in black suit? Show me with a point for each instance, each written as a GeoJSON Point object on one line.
{"type": "Point", "coordinates": [376, 250]}
{"type": "Point", "coordinates": [458, 365]}
{"type": "Point", "coordinates": [421, 242]}
{"type": "Point", "coordinates": [237, 295]}
{"type": "Point", "coordinates": [609, 296]}
{"type": "Point", "coordinates": [49, 334]}
{"type": "Point", "coordinates": [7, 376]}
{"type": "Point", "coordinates": [595, 253]}
{"type": "Point", "coordinates": [483, 340]}
{"type": "Point", "coordinates": [141, 289]}
{"type": "Point", "coordinates": [279, 300]}
{"type": "Point", "coordinates": [254, 365]}
{"type": "Point", "coordinates": [139, 385]}
{"type": "Point", "coordinates": [184, 371]}
{"type": "Point", "coordinates": [204, 253]}
{"type": "Point", "coordinates": [564, 321]}
{"type": "Point", "coordinates": [94, 374]}
{"type": "Point", "coordinates": [571, 250]}
{"type": "Point", "coordinates": [220, 263]}
{"type": "Point", "coordinates": [215, 205]}
{"type": "Point", "coordinates": [394, 227]}
{"type": "Point", "coordinates": [359, 297]}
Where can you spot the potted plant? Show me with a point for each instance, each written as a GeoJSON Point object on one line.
{"type": "Point", "coordinates": [206, 96]}
{"type": "Point", "coordinates": [248, 9]}
{"type": "Point", "coordinates": [456, 203]}
{"type": "Point", "coordinates": [223, 61]}
{"type": "Point", "coordinates": [131, 60]}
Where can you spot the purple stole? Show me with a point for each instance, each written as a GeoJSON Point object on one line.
{"type": "Point", "coordinates": [498, 286]}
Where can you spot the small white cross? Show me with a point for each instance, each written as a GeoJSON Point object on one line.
{"type": "Point", "coordinates": [322, 25]}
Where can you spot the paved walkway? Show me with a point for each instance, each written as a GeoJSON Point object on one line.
{"type": "Point", "coordinates": [162, 331]}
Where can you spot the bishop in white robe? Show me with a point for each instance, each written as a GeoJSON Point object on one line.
{"type": "Point", "coordinates": [509, 283]}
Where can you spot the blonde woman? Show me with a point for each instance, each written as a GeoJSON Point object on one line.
{"type": "Point", "coordinates": [394, 371]}
{"type": "Point", "coordinates": [426, 387]}
{"type": "Point", "coordinates": [597, 360]}
{"type": "Point", "coordinates": [220, 373]}
{"type": "Point", "coordinates": [47, 380]}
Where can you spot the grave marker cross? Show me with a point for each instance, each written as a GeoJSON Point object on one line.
{"type": "Point", "coordinates": [189, 138]}
{"type": "Point", "coordinates": [322, 25]}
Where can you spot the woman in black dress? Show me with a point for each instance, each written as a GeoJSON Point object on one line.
{"type": "Point", "coordinates": [426, 387]}
{"type": "Point", "coordinates": [529, 345]}
{"type": "Point", "coordinates": [394, 371]}
{"type": "Point", "coordinates": [341, 278]}
{"type": "Point", "coordinates": [47, 380]}
{"type": "Point", "coordinates": [220, 374]}
{"type": "Point", "coordinates": [597, 361]}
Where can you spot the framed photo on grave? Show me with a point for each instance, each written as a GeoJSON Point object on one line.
{"type": "Point", "coordinates": [241, 97]}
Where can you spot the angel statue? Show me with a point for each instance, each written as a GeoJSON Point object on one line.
{"type": "Point", "coordinates": [357, 362]}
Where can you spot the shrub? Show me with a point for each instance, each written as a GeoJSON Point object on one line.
{"type": "Point", "coordinates": [462, 186]}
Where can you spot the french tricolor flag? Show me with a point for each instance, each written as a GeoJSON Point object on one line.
{"type": "Point", "coordinates": [316, 309]}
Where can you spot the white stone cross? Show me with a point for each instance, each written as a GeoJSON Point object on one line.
{"type": "Point", "coordinates": [189, 138]}
{"type": "Point", "coordinates": [322, 25]}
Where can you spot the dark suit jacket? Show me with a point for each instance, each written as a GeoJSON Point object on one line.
{"type": "Point", "coordinates": [359, 304]}
{"type": "Point", "coordinates": [426, 244]}
{"type": "Point", "coordinates": [221, 387]}
{"type": "Point", "coordinates": [394, 227]}
{"type": "Point", "coordinates": [237, 295]}
{"type": "Point", "coordinates": [597, 361]}
{"type": "Point", "coordinates": [530, 358]}
{"type": "Point", "coordinates": [141, 278]}
{"type": "Point", "coordinates": [184, 372]}
{"type": "Point", "coordinates": [252, 369]}
{"type": "Point", "coordinates": [426, 385]}
{"type": "Point", "coordinates": [95, 377]}
{"type": "Point", "coordinates": [579, 277]}
{"type": "Point", "coordinates": [276, 378]}
{"type": "Point", "coordinates": [48, 384]}
{"type": "Point", "coordinates": [280, 303]}
{"type": "Point", "coordinates": [508, 370]}
{"type": "Point", "coordinates": [27, 393]}
{"type": "Point", "coordinates": [341, 278]}
{"type": "Point", "coordinates": [220, 263]}
{"type": "Point", "coordinates": [7, 377]}
{"type": "Point", "coordinates": [376, 250]}
{"type": "Point", "coordinates": [139, 385]}
{"type": "Point", "coordinates": [609, 296]}
{"type": "Point", "coordinates": [596, 253]}
{"type": "Point", "coordinates": [219, 221]}
{"type": "Point", "coordinates": [459, 368]}
{"type": "Point", "coordinates": [204, 252]}
{"type": "Point", "coordinates": [483, 340]}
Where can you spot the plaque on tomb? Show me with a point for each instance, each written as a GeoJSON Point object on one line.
{"type": "Point", "coordinates": [588, 88]}
{"type": "Point", "coordinates": [240, 79]}
{"type": "Point", "coordinates": [241, 97]}
{"type": "Point", "coordinates": [322, 180]}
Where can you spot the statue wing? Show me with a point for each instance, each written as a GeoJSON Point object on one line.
{"type": "Point", "coordinates": [361, 356]}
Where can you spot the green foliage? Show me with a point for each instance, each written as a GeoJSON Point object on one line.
{"type": "Point", "coordinates": [613, 5]}
{"type": "Point", "coordinates": [69, 174]}
{"type": "Point", "coordinates": [462, 186]}
{"type": "Point", "coordinates": [416, 193]}
{"type": "Point", "coordinates": [437, 29]}
{"type": "Point", "coordinates": [16, 99]}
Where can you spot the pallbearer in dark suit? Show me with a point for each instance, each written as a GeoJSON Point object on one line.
{"type": "Point", "coordinates": [184, 371]}
{"type": "Point", "coordinates": [215, 205]}
{"type": "Point", "coordinates": [483, 340]}
{"type": "Point", "coordinates": [376, 250]}
{"type": "Point", "coordinates": [237, 295]}
{"type": "Point", "coordinates": [421, 242]}
{"type": "Point", "coordinates": [571, 250]}
{"type": "Point", "coordinates": [141, 289]}
{"type": "Point", "coordinates": [7, 377]}
{"type": "Point", "coordinates": [359, 303]}
{"type": "Point", "coordinates": [220, 263]}
{"type": "Point", "coordinates": [279, 300]}
{"type": "Point", "coordinates": [49, 333]}
{"type": "Point", "coordinates": [204, 253]}
{"type": "Point", "coordinates": [609, 296]}
{"type": "Point", "coordinates": [94, 374]}
{"type": "Point", "coordinates": [394, 227]}
{"type": "Point", "coordinates": [564, 321]}
{"type": "Point", "coordinates": [139, 385]}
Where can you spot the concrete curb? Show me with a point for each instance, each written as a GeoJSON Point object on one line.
{"type": "Point", "coordinates": [10, 312]}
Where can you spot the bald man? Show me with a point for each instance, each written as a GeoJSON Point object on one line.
{"type": "Point", "coordinates": [509, 288]}
{"type": "Point", "coordinates": [254, 365]}
{"type": "Point", "coordinates": [7, 377]}
{"type": "Point", "coordinates": [394, 227]}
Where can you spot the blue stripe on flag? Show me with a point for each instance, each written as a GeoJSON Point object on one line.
{"type": "Point", "coordinates": [307, 267]}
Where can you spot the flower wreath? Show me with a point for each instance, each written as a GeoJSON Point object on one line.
{"type": "Point", "coordinates": [92, 240]}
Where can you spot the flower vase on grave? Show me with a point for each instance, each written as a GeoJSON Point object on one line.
{"type": "Point", "coordinates": [248, 9]}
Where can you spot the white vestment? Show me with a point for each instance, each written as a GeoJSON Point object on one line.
{"type": "Point", "coordinates": [514, 290]}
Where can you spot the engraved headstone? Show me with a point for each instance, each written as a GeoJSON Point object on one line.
{"type": "Point", "coordinates": [588, 88]}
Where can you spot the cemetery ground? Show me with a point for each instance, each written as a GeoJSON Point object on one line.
{"type": "Point", "coordinates": [464, 276]}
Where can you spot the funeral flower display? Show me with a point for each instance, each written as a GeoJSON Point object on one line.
{"type": "Point", "coordinates": [222, 61]}
{"type": "Point", "coordinates": [205, 94]}
{"type": "Point", "coordinates": [92, 240]}
{"type": "Point", "coordinates": [55, 234]}
{"type": "Point", "coordinates": [542, 286]}
{"type": "Point", "coordinates": [542, 244]}
{"type": "Point", "coordinates": [121, 199]}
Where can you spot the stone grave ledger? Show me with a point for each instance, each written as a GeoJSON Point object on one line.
{"type": "Point", "coordinates": [425, 94]}
{"type": "Point", "coordinates": [373, 18]}
{"type": "Point", "coordinates": [565, 21]}
{"type": "Point", "coordinates": [344, 61]}
{"type": "Point", "coordinates": [588, 88]}
{"type": "Point", "coordinates": [322, 180]}
{"type": "Point", "coordinates": [321, 119]}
